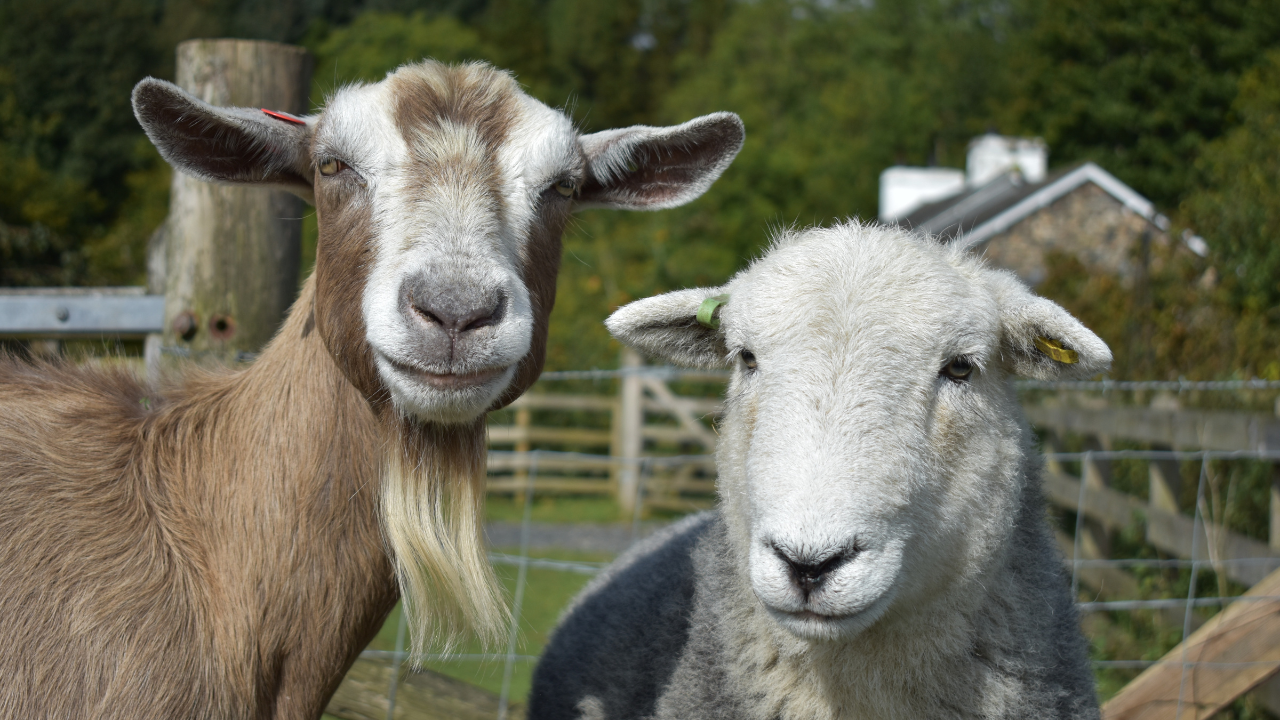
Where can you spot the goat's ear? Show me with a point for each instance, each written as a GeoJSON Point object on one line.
{"type": "Point", "coordinates": [1041, 340]}
{"type": "Point", "coordinates": [667, 326]}
{"type": "Point", "coordinates": [230, 145]}
{"type": "Point", "coordinates": [648, 168]}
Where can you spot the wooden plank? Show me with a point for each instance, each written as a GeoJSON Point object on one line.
{"type": "Point", "coordinates": [1112, 508]}
{"type": "Point", "coordinates": [695, 406]}
{"type": "Point", "coordinates": [682, 412]}
{"type": "Point", "coordinates": [545, 462]}
{"type": "Point", "coordinates": [1109, 582]}
{"type": "Point", "coordinates": [549, 401]}
{"type": "Point", "coordinates": [363, 695]}
{"type": "Point", "coordinates": [1233, 652]}
{"type": "Point", "coordinates": [678, 503]}
{"type": "Point", "coordinates": [671, 435]}
{"type": "Point", "coordinates": [511, 434]}
{"type": "Point", "coordinates": [571, 485]}
{"type": "Point", "coordinates": [1170, 532]}
{"type": "Point", "coordinates": [1173, 428]}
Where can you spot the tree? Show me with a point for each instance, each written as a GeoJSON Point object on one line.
{"type": "Point", "coordinates": [1137, 86]}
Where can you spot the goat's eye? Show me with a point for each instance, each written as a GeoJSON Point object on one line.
{"type": "Point", "coordinates": [748, 359]}
{"type": "Point", "coordinates": [957, 369]}
{"type": "Point", "coordinates": [332, 166]}
{"type": "Point", "coordinates": [566, 188]}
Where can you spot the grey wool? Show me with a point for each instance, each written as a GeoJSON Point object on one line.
{"type": "Point", "coordinates": [880, 548]}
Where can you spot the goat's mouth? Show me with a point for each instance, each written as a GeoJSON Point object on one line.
{"type": "Point", "coordinates": [451, 381]}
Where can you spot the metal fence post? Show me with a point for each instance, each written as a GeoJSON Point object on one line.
{"type": "Point", "coordinates": [232, 253]}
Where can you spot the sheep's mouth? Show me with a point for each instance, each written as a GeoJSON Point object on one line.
{"type": "Point", "coordinates": [811, 625]}
{"type": "Point", "coordinates": [819, 617]}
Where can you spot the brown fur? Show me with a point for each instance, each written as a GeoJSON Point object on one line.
{"type": "Point", "coordinates": [212, 549]}
{"type": "Point", "coordinates": [174, 553]}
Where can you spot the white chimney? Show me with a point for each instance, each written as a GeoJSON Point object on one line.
{"type": "Point", "coordinates": [993, 155]}
{"type": "Point", "coordinates": [903, 189]}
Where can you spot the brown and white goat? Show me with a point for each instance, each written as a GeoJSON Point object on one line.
{"type": "Point", "coordinates": [224, 546]}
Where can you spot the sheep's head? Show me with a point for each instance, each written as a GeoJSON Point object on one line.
{"type": "Point", "coordinates": [441, 193]}
{"type": "Point", "coordinates": [872, 455]}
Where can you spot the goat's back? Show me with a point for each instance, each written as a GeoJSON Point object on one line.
{"type": "Point", "coordinates": [82, 552]}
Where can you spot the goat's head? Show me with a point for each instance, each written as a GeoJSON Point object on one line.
{"type": "Point", "coordinates": [441, 194]}
{"type": "Point", "coordinates": [872, 455]}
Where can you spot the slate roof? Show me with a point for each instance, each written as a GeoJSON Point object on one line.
{"type": "Point", "coordinates": [977, 214]}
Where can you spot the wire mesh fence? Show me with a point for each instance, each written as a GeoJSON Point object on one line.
{"type": "Point", "coordinates": [1146, 577]}
{"type": "Point", "coordinates": [1192, 575]}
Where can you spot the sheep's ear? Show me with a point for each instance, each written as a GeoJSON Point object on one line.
{"type": "Point", "coordinates": [230, 145]}
{"type": "Point", "coordinates": [1040, 340]}
{"type": "Point", "coordinates": [668, 326]}
{"type": "Point", "coordinates": [649, 168]}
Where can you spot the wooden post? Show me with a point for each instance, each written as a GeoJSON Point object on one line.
{"type": "Point", "coordinates": [1096, 542]}
{"type": "Point", "coordinates": [231, 261]}
{"type": "Point", "coordinates": [1164, 482]}
{"type": "Point", "coordinates": [522, 450]}
{"type": "Point", "coordinates": [631, 427]}
{"type": "Point", "coordinates": [1275, 509]}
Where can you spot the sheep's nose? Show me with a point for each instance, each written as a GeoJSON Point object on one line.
{"type": "Point", "coordinates": [807, 573]}
{"type": "Point", "coordinates": [454, 309]}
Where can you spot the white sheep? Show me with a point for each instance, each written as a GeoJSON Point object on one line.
{"type": "Point", "coordinates": [880, 549]}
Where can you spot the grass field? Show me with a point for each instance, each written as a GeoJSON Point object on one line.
{"type": "Point", "coordinates": [546, 594]}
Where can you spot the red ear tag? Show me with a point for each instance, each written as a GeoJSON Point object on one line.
{"type": "Point", "coordinates": [285, 117]}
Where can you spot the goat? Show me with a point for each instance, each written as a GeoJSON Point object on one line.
{"type": "Point", "coordinates": [225, 545]}
{"type": "Point", "coordinates": [880, 547]}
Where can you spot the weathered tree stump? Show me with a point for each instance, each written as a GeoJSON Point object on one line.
{"type": "Point", "coordinates": [231, 261]}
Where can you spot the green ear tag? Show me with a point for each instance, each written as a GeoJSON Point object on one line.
{"type": "Point", "coordinates": [1055, 350]}
{"type": "Point", "coordinates": [707, 311]}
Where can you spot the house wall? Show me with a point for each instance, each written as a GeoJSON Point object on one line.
{"type": "Point", "coordinates": [1088, 223]}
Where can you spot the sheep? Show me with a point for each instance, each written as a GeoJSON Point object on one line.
{"type": "Point", "coordinates": [225, 545]}
{"type": "Point", "coordinates": [879, 549]}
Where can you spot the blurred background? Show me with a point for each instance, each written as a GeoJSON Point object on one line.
{"type": "Point", "coordinates": [1178, 99]}
{"type": "Point", "coordinates": [1123, 156]}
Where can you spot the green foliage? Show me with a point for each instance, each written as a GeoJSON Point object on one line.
{"type": "Point", "coordinates": [1237, 206]}
{"type": "Point", "coordinates": [831, 93]}
{"type": "Point", "coordinates": [1136, 86]}
{"type": "Point", "coordinates": [376, 43]}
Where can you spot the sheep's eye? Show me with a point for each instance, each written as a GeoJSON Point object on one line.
{"type": "Point", "coordinates": [332, 166]}
{"type": "Point", "coordinates": [957, 369]}
{"type": "Point", "coordinates": [748, 359]}
{"type": "Point", "coordinates": [566, 188]}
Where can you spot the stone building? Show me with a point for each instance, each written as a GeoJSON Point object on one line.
{"type": "Point", "coordinates": [1018, 215]}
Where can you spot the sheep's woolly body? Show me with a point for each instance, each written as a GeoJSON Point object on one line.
{"type": "Point", "coordinates": [844, 446]}
{"type": "Point", "coordinates": [673, 633]}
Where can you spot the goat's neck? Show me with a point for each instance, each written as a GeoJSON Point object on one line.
{"type": "Point", "coordinates": [286, 457]}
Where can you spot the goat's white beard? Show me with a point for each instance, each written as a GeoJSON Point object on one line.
{"type": "Point", "coordinates": [432, 502]}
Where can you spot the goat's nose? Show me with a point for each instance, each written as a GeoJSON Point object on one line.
{"type": "Point", "coordinates": [809, 573]}
{"type": "Point", "coordinates": [454, 309]}
{"type": "Point", "coordinates": [458, 317]}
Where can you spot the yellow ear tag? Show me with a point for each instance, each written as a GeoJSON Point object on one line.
{"type": "Point", "coordinates": [1054, 349]}
{"type": "Point", "coordinates": [707, 311]}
